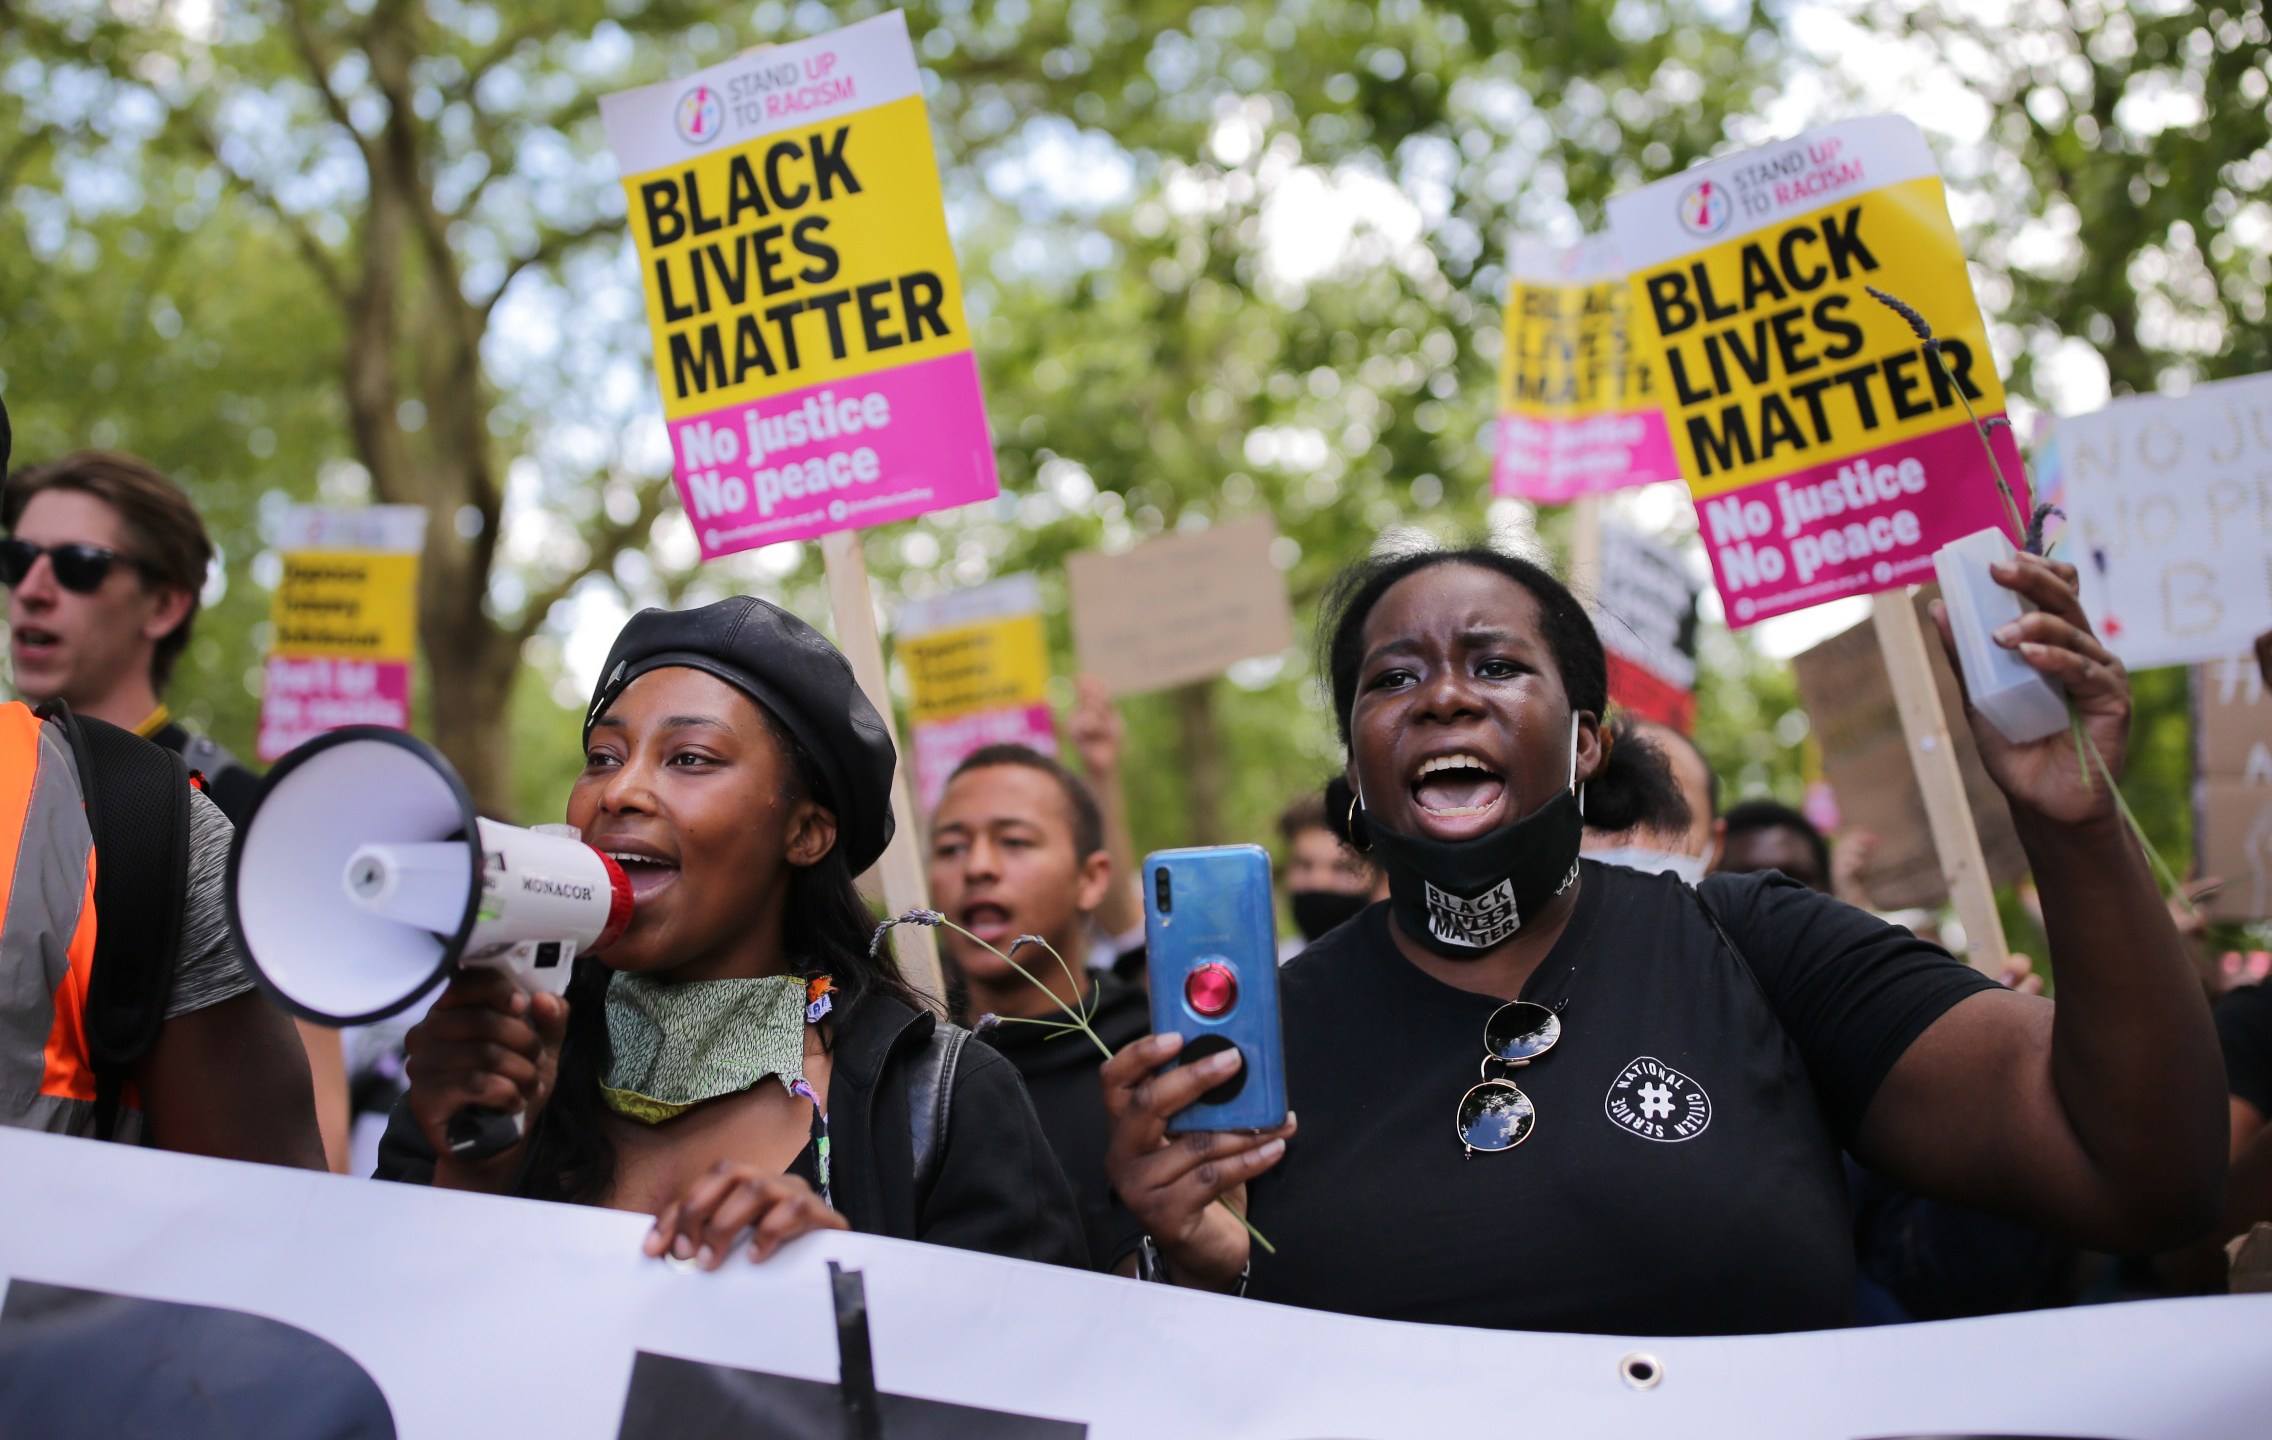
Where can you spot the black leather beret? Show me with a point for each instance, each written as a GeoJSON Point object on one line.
{"type": "Point", "coordinates": [793, 671]}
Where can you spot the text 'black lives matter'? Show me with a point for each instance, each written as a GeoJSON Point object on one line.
{"type": "Point", "coordinates": [720, 263]}
{"type": "Point", "coordinates": [1786, 354]}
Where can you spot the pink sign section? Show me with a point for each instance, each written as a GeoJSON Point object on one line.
{"type": "Point", "coordinates": [1554, 460]}
{"type": "Point", "coordinates": [1854, 526]}
{"type": "Point", "coordinates": [306, 696]}
{"type": "Point", "coordinates": [941, 745]}
{"type": "Point", "coordinates": [845, 455]}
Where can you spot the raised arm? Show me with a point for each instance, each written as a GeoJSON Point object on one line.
{"type": "Point", "coordinates": [2100, 1116]}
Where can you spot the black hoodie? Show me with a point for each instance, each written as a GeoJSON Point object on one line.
{"type": "Point", "coordinates": [997, 1188]}
{"type": "Point", "coordinates": [1060, 1071]}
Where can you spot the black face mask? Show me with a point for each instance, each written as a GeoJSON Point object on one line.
{"type": "Point", "coordinates": [1317, 911]}
{"type": "Point", "coordinates": [1462, 897]}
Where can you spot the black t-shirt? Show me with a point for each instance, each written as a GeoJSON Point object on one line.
{"type": "Point", "coordinates": [1060, 1072]}
{"type": "Point", "coordinates": [1684, 1173]}
{"type": "Point", "coordinates": [2244, 1028]}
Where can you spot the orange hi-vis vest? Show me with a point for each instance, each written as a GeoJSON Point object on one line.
{"type": "Point", "coordinates": [47, 935]}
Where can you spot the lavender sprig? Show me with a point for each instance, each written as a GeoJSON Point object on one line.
{"type": "Point", "coordinates": [1940, 361]}
{"type": "Point", "coordinates": [1076, 1019]}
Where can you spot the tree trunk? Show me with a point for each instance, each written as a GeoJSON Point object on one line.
{"type": "Point", "coordinates": [1203, 776]}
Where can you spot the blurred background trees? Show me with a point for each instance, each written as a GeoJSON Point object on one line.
{"type": "Point", "coordinates": [1218, 259]}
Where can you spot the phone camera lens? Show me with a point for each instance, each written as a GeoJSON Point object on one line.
{"type": "Point", "coordinates": [1160, 891]}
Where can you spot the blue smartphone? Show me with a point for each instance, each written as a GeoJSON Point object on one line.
{"type": "Point", "coordinates": [1212, 942]}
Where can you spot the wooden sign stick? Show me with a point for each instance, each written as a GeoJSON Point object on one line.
{"type": "Point", "coordinates": [1932, 754]}
{"type": "Point", "coordinates": [901, 869]}
{"type": "Point", "coordinates": [1585, 549]}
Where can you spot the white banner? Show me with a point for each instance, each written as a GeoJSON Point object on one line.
{"type": "Point", "coordinates": [2169, 519]}
{"type": "Point", "coordinates": [431, 1314]}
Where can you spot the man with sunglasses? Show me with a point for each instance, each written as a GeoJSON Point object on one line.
{"type": "Point", "coordinates": [103, 562]}
{"type": "Point", "coordinates": [216, 1070]}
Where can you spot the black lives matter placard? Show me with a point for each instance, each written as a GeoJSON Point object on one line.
{"type": "Point", "coordinates": [1827, 452]}
{"type": "Point", "coordinates": [816, 370]}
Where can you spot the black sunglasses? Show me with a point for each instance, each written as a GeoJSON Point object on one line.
{"type": "Point", "coordinates": [1496, 1114]}
{"type": "Point", "coordinates": [78, 567]}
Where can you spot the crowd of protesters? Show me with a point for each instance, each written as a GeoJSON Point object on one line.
{"type": "Point", "coordinates": [1695, 998]}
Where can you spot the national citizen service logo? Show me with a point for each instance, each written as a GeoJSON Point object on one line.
{"type": "Point", "coordinates": [1657, 1102]}
{"type": "Point", "coordinates": [1704, 208]}
{"type": "Point", "coordinates": [701, 114]}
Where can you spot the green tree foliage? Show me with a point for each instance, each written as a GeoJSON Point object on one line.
{"type": "Point", "coordinates": [406, 239]}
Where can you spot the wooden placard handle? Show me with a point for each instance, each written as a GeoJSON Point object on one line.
{"type": "Point", "coordinates": [1932, 754]}
{"type": "Point", "coordinates": [901, 869]}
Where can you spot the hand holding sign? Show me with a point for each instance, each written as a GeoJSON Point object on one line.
{"type": "Point", "coordinates": [2046, 775]}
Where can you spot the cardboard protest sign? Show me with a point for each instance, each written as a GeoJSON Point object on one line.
{"type": "Point", "coordinates": [1865, 758]}
{"type": "Point", "coordinates": [1827, 453]}
{"type": "Point", "coordinates": [2232, 787]}
{"type": "Point", "coordinates": [808, 326]}
{"type": "Point", "coordinates": [977, 666]}
{"type": "Point", "coordinates": [2169, 519]}
{"type": "Point", "coordinates": [1646, 613]}
{"type": "Point", "coordinates": [1577, 403]}
{"type": "Point", "coordinates": [1179, 608]}
{"type": "Point", "coordinates": [345, 622]}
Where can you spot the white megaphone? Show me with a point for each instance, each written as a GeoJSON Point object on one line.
{"type": "Point", "coordinates": [363, 876]}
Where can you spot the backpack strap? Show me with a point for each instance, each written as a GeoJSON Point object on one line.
{"type": "Point", "coordinates": [137, 798]}
{"type": "Point", "coordinates": [930, 1099]}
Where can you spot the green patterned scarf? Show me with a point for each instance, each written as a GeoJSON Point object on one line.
{"type": "Point", "coordinates": [679, 1045]}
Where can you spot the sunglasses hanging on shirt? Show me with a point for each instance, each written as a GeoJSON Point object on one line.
{"type": "Point", "coordinates": [1495, 1114]}
{"type": "Point", "coordinates": [79, 568]}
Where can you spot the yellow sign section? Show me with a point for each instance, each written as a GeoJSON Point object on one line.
{"type": "Point", "coordinates": [357, 604]}
{"type": "Point", "coordinates": [798, 259]}
{"type": "Point", "coordinates": [1567, 351]}
{"type": "Point", "coordinates": [1775, 357]}
{"type": "Point", "coordinates": [990, 665]}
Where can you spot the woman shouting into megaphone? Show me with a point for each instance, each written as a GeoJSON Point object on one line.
{"type": "Point", "coordinates": [737, 1064]}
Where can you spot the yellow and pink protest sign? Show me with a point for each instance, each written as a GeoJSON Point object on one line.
{"type": "Point", "coordinates": [1828, 454]}
{"type": "Point", "coordinates": [977, 673]}
{"type": "Point", "coordinates": [1578, 412]}
{"type": "Point", "coordinates": [816, 369]}
{"type": "Point", "coordinates": [345, 623]}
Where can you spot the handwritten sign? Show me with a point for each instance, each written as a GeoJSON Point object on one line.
{"type": "Point", "coordinates": [1646, 613]}
{"type": "Point", "coordinates": [1180, 608]}
{"type": "Point", "coordinates": [1828, 454]}
{"type": "Point", "coordinates": [1865, 757]}
{"type": "Point", "coordinates": [1577, 405]}
{"type": "Point", "coordinates": [977, 666]}
{"type": "Point", "coordinates": [2232, 787]}
{"type": "Point", "coordinates": [816, 368]}
{"type": "Point", "coordinates": [345, 622]}
{"type": "Point", "coordinates": [2169, 519]}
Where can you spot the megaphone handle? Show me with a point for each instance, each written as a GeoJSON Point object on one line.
{"type": "Point", "coordinates": [478, 1132]}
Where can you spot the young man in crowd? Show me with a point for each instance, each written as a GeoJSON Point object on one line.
{"type": "Point", "coordinates": [1685, 840]}
{"type": "Point", "coordinates": [1767, 835]}
{"type": "Point", "coordinates": [104, 560]}
{"type": "Point", "coordinates": [1326, 882]}
{"type": "Point", "coordinates": [223, 1075]}
{"type": "Point", "coordinates": [102, 623]}
{"type": "Point", "coordinates": [1018, 848]}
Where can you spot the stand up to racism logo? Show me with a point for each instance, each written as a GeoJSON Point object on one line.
{"type": "Point", "coordinates": [701, 115]}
